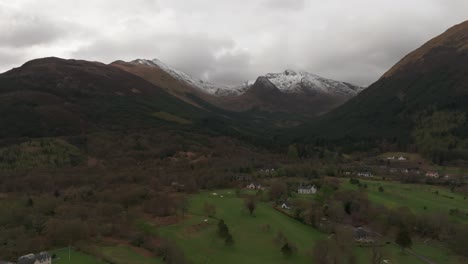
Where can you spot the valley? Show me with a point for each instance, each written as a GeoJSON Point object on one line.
{"type": "Point", "coordinates": [138, 162]}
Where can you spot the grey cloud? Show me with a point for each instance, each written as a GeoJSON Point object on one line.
{"type": "Point", "coordinates": [231, 68]}
{"type": "Point", "coordinates": [20, 30]}
{"type": "Point", "coordinates": [285, 4]}
{"type": "Point", "coordinates": [229, 41]}
{"type": "Point", "coordinates": [194, 54]}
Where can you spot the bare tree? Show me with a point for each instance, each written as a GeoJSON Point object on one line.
{"type": "Point", "coordinates": [250, 204]}
{"type": "Point", "coordinates": [209, 209]}
{"type": "Point", "coordinates": [377, 255]}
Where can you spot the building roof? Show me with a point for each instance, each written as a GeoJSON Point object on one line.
{"type": "Point", "coordinates": [31, 258]}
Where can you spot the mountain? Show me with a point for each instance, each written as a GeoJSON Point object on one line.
{"type": "Point", "coordinates": [57, 97]}
{"type": "Point", "coordinates": [207, 87]}
{"type": "Point", "coordinates": [301, 82]}
{"type": "Point", "coordinates": [291, 92]}
{"type": "Point", "coordinates": [53, 97]}
{"type": "Point", "coordinates": [422, 100]}
{"type": "Point", "coordinates": [161, 78]}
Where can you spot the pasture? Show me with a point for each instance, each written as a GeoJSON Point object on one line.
{"type": "Point", "coordinates": [254, 236]}
{"type": "Point", "coordinates": [75, 257]}
{"type": "Point", "coordinates": [421, 199]}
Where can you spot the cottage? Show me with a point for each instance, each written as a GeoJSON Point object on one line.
{"type": "Point", "coordinates": [391, 158]}
{"type": "Point", "coordinates": [432, 174]}
{"type": "Point", "coordinates": [286, 205]}
{"type": "Point", "coordinates": [306, 189]}
{"type": "Point", "coordinates": [365, 174]}
{"type": "Point", "coordinates": [362, 235]}
{"type": "Point", "coordinates": [243, 178]}
{"type": "Point", "coordinates": [254, 186]}
{"type": "Point", "coordinates": [401, 158]}
{"type": "Point", "coordinates": [347, 173]}
{"type": "Point", "coordinates": [41, 258]}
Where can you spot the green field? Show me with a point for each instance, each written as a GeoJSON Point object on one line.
{"type": "Point", "coordinates": [197, 236]}
{"type": "Point", "coordinates": [124, 255]}
{"type": "Point", "coordinates": [199, 240]}
{"type": "Point", "coordinates": [200, 243]}
{"type": "Point", "coordinates": [419, 198]}
{"type": "Point", "coordinates": [75, 257]}
{"type": "Point", "coordinates": [172, 118]}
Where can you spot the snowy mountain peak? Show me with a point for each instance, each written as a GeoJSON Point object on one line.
{"type": "Point", "coordinates": [290, 72]}
{"type": "Point", "coordinates": [214, 89]}
{"type": "Point", "coordinates": [291, 81]}
{"type": "Point", "coordinates": [288, 81]}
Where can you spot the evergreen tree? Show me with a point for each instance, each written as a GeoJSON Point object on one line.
{"type": "Point", "coordinates": [403, 238]}
{"type": "Point", "coordinates": [286, 249]}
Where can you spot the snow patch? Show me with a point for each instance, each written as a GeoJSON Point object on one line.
{"type": "Point", "coordinates": [215, 89]}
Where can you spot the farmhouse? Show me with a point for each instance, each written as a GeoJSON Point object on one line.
{"type": "Point", "coordinates": [432, 174]}
{"type": "Point", "coordinates": [254, 186]}
{"type": "Point", "coordinates": [243, 178]}
{"type": "Point", "coordinates": [362, 235]}
{"type": "Point", "coordinates": [41, 258]}
{"type": "Point", "coordinates": [286, 205]}
{"type": "Point", "coordinates": [365, 174]}
{"type": "Point", "coordinates": [306, 189]}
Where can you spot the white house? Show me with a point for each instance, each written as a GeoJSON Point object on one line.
{"type": "Point", "coordinates": [432, 174]}
{"type": "Point", "coordinates": [41, 258]}
{"type": "Point", "coordinates": [365, 174]}
{"type": "Point", "coordinates": [254, 186]}
{"type": "Point", "coordinates": [401, 158]}
{"type": "Point", "coordinates": [307, 189]}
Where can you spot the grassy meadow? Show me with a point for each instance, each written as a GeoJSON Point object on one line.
{"type": "Point", "coordinates": [253, 243]}
{"type": "Point", "coordinates": [197, 237]}
{"type": "Point", "coordinates": [417, 197]}
{"type": "Point", "coordinates": [75, 257]}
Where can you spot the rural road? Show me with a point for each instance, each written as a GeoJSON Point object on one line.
{"type": "Point", "coordinates": [423, 258]}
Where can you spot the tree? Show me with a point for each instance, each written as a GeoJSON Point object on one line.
{"type": "Point", "coordinates": [30, 202]}
{"type": "Point", "coordinates": [223, 232]}
{"type": "Point", "coordinates": [183, 205]}
{"type": "Point", "coordinates": [278, 190]}
{"type": "Point", "coordinates": [292, 151]}
{"type": "Point", "coordinates": [286, 249]}
{"type": "Point", "coordinates": [377, 255]}
{"type": "Point", "coordinates": [250, 204]}
{"type": "Point", "coordinates": [403, 238]}
{"type": "Point", "coordinates": [381, 189]}
{"type": "Point", "coordinates": [209, 209]}
{"type": "Point", "coordinates": [228, 240]}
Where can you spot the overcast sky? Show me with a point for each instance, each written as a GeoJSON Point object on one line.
{"type": "Point", "coordinates": [228, 41]}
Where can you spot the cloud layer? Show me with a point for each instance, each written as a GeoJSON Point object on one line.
{"type": "Point", "coordinates": [228, 41]}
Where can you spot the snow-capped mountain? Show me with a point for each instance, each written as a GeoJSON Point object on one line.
{"type": "Point", "coordinates": [291, 81]}
{"type": "Point", "coordinates": [288, 81]}
{"type": "Point", "coordinates": [214, 89]}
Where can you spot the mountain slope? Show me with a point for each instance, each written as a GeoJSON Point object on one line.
{"type": "Point", "coordinates": [422, 93]}
{"type": "Point", "coordinates": [290, 93]}
{"type": "Point", "coordinates": [301, 92]}
{"type": "Point", "coordinates": [207, 87]}
{"type": "Point", "coordinates": [55, 97]}
{"type": "Point", "coordinates": [291, 81]}
{"type": "Point", "coordinates": [161, 78]}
